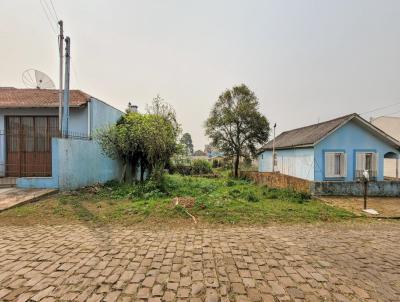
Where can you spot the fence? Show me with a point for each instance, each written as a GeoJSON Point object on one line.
{"type": "Point", "coordinates": [278, 180]}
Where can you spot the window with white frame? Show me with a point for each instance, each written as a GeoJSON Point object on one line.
{"type": "Point", "coordinates": [335, 164]}
{"type": "Point", "coordinates": [366, 161]}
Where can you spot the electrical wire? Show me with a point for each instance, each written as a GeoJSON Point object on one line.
{"type": "Point", "coordinates": [55, 12]}
{"type": "Point", "coordinates": [48, 17]}
{"type": "Point", "coordinates": [380, 108]}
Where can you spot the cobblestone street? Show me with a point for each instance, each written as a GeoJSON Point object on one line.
{"type": "Point", "coordinates": [350, 262]}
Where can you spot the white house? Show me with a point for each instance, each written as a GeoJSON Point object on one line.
{"type": "Point", "coordinates": [391, 125]}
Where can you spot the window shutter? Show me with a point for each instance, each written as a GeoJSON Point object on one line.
{"type": "Point", "coordinates": [329, 164]}
{"type": "Point", "coordinates": [360, 161]}
{"type": "Point", "coordinates": [343, 163]}
{"type": "Point", "coordinates": [374, 163]}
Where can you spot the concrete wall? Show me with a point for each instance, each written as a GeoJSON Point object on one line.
{"type": "Point", "coordinates": [350, 138]}
{"type": "Point", "coordinates": [82, 163]}
{"type": "Point", "coordinates": [352, 188]}
{"type": "Point", "coordinates": [294, 162]}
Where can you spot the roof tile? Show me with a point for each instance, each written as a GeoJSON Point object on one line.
{"type": "Point", "coordinates": [32, 98]}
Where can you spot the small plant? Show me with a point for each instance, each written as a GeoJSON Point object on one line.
{"type": "Point", "coordinates": [201, 166]}
{"type": "Point", "coordinates": [252, 197]}
{"type": "Point", "coordinates": [230, 183]}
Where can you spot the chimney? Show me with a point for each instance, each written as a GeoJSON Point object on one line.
{"type": "Point", "coordinates": [132, 108]}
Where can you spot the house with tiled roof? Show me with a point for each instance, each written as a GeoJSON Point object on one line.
{"type": "Point", "coordinates": [35, 153]}
{"type": "Point", "coordinates": [340, 149]}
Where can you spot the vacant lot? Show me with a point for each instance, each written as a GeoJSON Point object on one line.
{"type": "Point", "coordinates": [217, 200]}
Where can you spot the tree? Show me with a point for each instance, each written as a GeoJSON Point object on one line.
{"type": "Point", "coordinates": [235, 126]}
{"type": "Point", "coordinates": [186, 140]}
{"type": "Point", "coordinates": [159, 107]}
{"type": "Point", "coordinates": [148, 140]}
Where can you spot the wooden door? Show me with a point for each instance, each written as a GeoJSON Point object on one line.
{"type": "Point", "coordinates": [28, 145]}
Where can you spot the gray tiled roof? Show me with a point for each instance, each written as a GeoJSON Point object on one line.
{"type": "Point", "coordinates": [307, 136]}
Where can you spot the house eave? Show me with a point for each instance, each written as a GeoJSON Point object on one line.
{"type": "Point", "coordinates": [306, 146]}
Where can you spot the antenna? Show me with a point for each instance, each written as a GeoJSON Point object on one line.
{"type": "Point", "coordinates": [33, 78]}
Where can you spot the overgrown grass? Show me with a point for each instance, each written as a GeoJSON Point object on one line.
{"type": "Point", "coordinates": [219, 200]}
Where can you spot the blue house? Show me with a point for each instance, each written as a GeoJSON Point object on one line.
{"type": "Point", "coordinates": [335, 150]}
{"type": "Point", "coordinates": [34, 154]}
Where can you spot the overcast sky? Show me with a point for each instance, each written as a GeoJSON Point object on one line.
{"type": "Point", "coordinates": [305, 60]}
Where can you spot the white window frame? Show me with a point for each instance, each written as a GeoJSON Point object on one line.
{"type": "Point", "coordinates": [331, 164]}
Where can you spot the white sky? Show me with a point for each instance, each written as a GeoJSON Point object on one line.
{"type": "Point", "coordinates": [305, 60]}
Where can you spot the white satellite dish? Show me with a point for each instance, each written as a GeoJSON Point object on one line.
{"type": "Point", "coordinates": [33, 78]}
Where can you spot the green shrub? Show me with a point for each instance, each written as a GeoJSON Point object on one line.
{"type": "Point", "coordinates": [201, 166]}
{"type": "Point", "coordinates": [197, 167]}
{"type": "Point", "coordinates": [252, 197]}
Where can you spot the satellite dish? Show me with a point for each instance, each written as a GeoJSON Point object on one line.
{"type": "Point", "coordinates": [33, 78]}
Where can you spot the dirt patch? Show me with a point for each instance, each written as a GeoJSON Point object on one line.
{"type": "Point", "coordinates": [386, 206]}
{"type": "Point", "coordinates": [187, 202]}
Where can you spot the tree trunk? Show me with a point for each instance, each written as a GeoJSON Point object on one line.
{"type": "Point", "coordinates": [237, 165]}
{"type": "Point", "coordinates": [142, 170]}
{"type": "Point", "coordinates": [122, 178]}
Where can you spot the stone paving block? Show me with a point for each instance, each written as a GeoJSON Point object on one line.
{"type": "Point", "coordinates": [286, 263]}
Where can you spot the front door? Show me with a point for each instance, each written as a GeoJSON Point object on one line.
{"type": "Point", "coordinates": [28, 145]}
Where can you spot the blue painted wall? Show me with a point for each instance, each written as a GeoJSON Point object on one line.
{"type": "Point", "coordinates": [350, 138]}
{"type": "Point", "coordinates": [82, 163]}
{"type": "Point", "coordinates": [102, 114]}
{"type": "Point", "coordinates": [295, 162]}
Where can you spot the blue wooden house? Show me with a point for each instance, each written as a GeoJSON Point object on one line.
{"type": "Point", "coordinates": [335, 150]}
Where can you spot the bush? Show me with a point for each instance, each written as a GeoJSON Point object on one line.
{"type": "Point", "coordinates": [201, 166]}
{"type": "Point", "coordinates": [197, 167]}
{"type": "Point", "coordinates": [180, 169]}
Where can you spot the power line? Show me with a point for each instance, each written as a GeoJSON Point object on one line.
{"type": "Point", "coordinates": [55, 12]}
{"type": "Point", "coordinates": [380, 108]}
{"type": "Point", "coordinates": [48, 17]}
{"type": "Point", "coordinates": [398, 111]}
{"type": "Point", "coordinates": [51, 13]}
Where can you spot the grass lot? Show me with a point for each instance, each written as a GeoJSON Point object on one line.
{"type": "Point", "coordinates": [215, 200]}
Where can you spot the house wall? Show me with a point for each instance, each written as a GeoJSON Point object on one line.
{"type": "Point", "coordinates": [102, 114]}
{"type": "Point", "coordinates": [391, 125]}
{"type": "Point", "coordinates": [350, 138]}
{"type": "Point", "coordinates": [294, 162]}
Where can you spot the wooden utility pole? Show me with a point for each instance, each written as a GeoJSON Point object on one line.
{"type": "Point", "coordinates": [65, 119]}
{"type": "Point", "coordinates": [61, 53]}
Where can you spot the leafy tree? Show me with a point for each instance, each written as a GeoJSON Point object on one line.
{"type": "Point", "coordinates": [148, 140]}
{"type": "Point", "coordinates": [186, 140]}
{"type": "Point", "coordinates": [159, 107]}
{"type": "Point", "coordinates": [235, 125]}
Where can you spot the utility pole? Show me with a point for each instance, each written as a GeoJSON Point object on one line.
{"type": "Point", "coordinates": [273, 151]}
{"type": "Point", "coordinates": [61, 53]}
{"type": "Point", "coordinates": [65, 119]}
